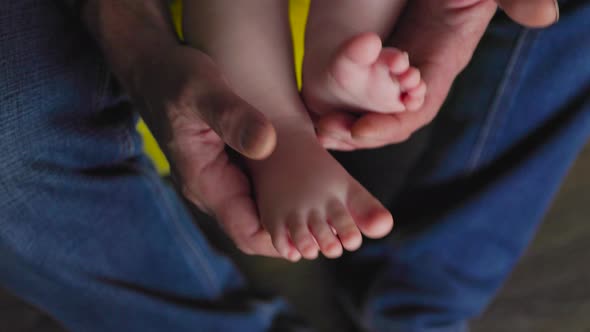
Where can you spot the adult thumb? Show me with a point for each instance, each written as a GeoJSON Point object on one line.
{"type": "Point", "coordinates": [242, 127]}
{"type": "Point", "coordinates": [531, 13]}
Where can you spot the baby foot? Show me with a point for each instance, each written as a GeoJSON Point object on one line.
{"type": "Point", "coordinates": [309, 203]}
{"type": "Point", "coordinates": [364, 76]}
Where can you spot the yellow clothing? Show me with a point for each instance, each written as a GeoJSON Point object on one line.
{"type": "Point", "coordinates": [298, 16]}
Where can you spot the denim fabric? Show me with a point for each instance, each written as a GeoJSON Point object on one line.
{"type": "Point", "coordinates": [90, 234]}
{"type": "Point", "coordinates": [88, 231]}
{"type": "Point", "coordinates": [490, 165]}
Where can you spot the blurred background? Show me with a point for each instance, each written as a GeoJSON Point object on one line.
{"type": "Point", "coordinates": [548, 292]}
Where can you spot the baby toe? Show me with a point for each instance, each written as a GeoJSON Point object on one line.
{"type": "Point", "coordinates": [410, 79]}
{"type": "Point", "coordinates": [324, 236]}
{"type": "Point", "coordinates": [347, 231]}
{"type": "Point", "coordinates": [396, 60]}
{"type": "Point", "coordinates": [414, 98]}
{"type": "Point", "coordinates": [363, 50]}
{"type": "Point", "coordinates": [302, 239]}
{"type": "Point", "coordinates": [371, 217]}
{"type": "Point", "coordinates": [281, 242]}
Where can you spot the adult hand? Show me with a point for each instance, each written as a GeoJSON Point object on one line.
{"type": "Point", "coordinates": [191, 110]}
{"type": "Point", "coordinates": [193, 114]}
{"type": "Point", "coordinates": [531, 13]}
{"type": "Point", "coordinates": [440, 36]}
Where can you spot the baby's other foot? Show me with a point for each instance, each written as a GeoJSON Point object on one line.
{"type": "Point", "coordinates": [364, 76]}
{"type": "Point", "coordinates": [310, 204]}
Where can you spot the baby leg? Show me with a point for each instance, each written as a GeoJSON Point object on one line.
{"type": "Point", "coordinates": [346, 67]}
{"type": "Point", "coordinates": [301, 191]}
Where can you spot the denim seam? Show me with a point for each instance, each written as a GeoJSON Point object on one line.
{"type": "Point", "coordinates": [497, 103]}
{"type": "Point", "coordinates": [155, 185]}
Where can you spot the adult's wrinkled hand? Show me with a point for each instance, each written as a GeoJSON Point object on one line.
{"type": "Point", "coordinates": [440, 36]}
{"type": "Point", "coordinates": [193, 114]}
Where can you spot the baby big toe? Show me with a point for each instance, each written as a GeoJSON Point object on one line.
{"type": "Point", "coordinates": [371, 217]}
{"type": "Point", "coordinates": [363, 50]}
{"type": "Point", "coordinates": [397, 61]}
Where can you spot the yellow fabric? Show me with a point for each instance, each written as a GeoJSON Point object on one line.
{"type": "Point", "coordinates": [298, 16]}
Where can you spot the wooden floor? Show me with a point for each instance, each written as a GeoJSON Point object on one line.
{"type": "Point", "coordinates": [548, 292]}
{"type": "Point", "coordinates": [550, 289]}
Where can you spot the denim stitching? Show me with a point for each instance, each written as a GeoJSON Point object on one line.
{"type": "Point", "coordinates": [499, 100]}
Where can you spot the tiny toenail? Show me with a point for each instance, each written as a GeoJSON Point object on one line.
{"type": "Point", "coordinates": [308, 248]}
{"type": "Point", "coordinates": [330, 145]}
{"type": "Point", "coordinates": [294, 256]}
{"type": "Point", "coordinates": [332, 246]}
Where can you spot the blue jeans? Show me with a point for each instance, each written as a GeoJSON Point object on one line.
{"type": "Point", "coordinates": [487, 170]}
{"type": "Point", "coordinates": [89, 232]}
{"type": "Point", "coordinates": [91, 235]}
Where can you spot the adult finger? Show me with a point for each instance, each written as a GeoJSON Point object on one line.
{"type": "Point", "coordinates": [449, 33]}
{"type": "Point", "coordinates": [373, 130]}
{"type": "Point", "coordinates": [238, 124]}
{"type": "Point", "coordinates": [209, 180]}
{"type": "Point", "coordinates": [531, 13]}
